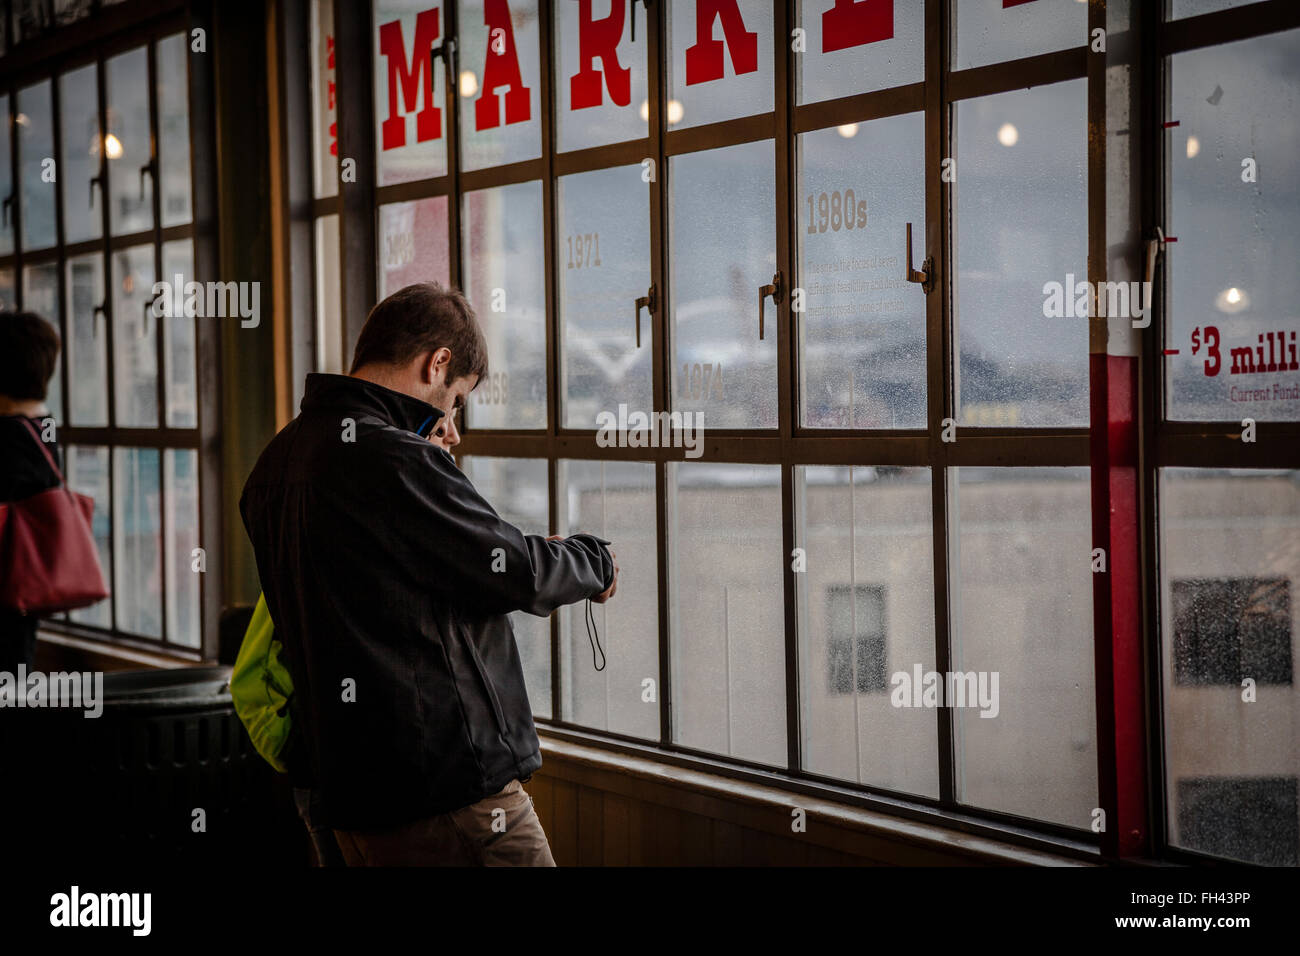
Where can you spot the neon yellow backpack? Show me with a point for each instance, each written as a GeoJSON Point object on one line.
{"type": "Point", "coordinates": [261, 688]}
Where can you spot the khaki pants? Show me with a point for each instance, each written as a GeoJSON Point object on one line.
{"type": "Point", "coordinates": [471, 836]}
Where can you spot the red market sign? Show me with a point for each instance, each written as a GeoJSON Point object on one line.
{"type": "Point", "coordinates": [847, 24]}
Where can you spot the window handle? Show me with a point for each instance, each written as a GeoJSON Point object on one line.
{"type": "Point", "coordinates": [648, 301]}
{"type": "Point", "coordinates": [9, 201]}
{"type": "Point", "coordinates": [147, 329]}
{"type": "Point", "coordinates": [96, 180]}
{"type": "Point", "coordinates": [96, 314]}
{"type": "Point", "coordinates": [774, 290]}
{"type": "Point", "coordinates": [631, 9]}
{"type": "Point", "coordinates": [146, 168]}
{"type": "Point", "coordinates": [926, 276]}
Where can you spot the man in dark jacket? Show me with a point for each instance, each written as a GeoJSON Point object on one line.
{"type": "Point", "coordinates": [390, 579]}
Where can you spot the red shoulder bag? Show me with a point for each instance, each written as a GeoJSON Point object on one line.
{"type": "Point", "coordinates": [48, 559]}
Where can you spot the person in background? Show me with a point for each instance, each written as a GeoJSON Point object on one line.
{"type": "Point", "coordinates": [29, 350]}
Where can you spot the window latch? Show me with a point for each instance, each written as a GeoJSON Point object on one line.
{"type": "Point", "coordinates": [9, 201]}
{"type": "Point", "coordinates": [926, 276]}
{"type": "Point", "coordinates": [146, 168]}
{"type": "Point", "coordinates": [774, 290]}
{"type": "Point", "coordinates": [631, 9]}
{"type": "Point", "coordinates": [648, 301]}
{"type": "Point", "coordinates": [96, 315]}
{"type": "Point", "coordinates": [96, 180]}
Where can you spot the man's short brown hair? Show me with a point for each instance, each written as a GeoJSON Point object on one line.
{"type": "Point", "coordinates": [419, 319]}
{"type": "Point", "coordinates": [29, 349]}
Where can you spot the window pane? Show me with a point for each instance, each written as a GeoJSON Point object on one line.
{"type": "Point", "coordinates": [41, 295]}
{"type": "Point", "coordinates": [1230, 595]}
{"type": "Point", "coordinates": [721, 217]}
{"type": "Point", "coordinates": [172, 67]}
{"type": "Point", "coordinates": [601, 83]}
{"type": "Point", "coordinates": [414, 244]}
{"type": "Point", "coordinates": [135, 348]}
{"type": "Point", "coordinates": [6, 180]}
{"type": "Point", "coordinates": [615, 500]}
{"type": "Point", "coordinates": [499, 84]}
{"type": "Point", "coordinates": [866, 613]}
{"type": "Point", "coordinates": [728, 632]}
{"type": "Point", "coordinates": [410, 90]}
{"type": "Point", "coordinates": [862, 351]}
{"type": "Point", "coordinates": [86, 347]}
{"type": "Point", "coordinates": [178, 340]}
{"type": "Point", "coordinates": [324, 129]}
{"type": "Point", "coordinates": [1024, 620]}
{"type": "Point", "coordinates": [137, 547]}
{"type": "Point", "coordinates": [991, 31]}
{"type": "Point", "coordinates": [8, 300]}
{"type": "Point", "coordinates": [517, 488]}
{"type": "Point", "coordinates": [504, 280]}
{"type": "Point", "coordinates": [1234, 209]}
{"type": "Point", "coordinates": [329, 318]}
{"type": "Point", "coordinates": [859, 47]}
{"type": "Point", "coordinates": [131, 205]}
{"type": "Point", "coordinates": [1192, 8]}
{"type": "Point", "coordinates": [1021, 223]}
{"type": "Point", "coordinates": [181, 473]}
{"type": "Point", "coordinates": [35, 158]}
{"type": "Point", "coordinates": [88, 475]}
{"type": "Point", "coordinates": [721, 65]}
{"type": "Point", "coordinates": [79, 104]}
{"type": "Point", "coordinates": [603, 250]}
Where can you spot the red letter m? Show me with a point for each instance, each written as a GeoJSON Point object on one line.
{"type": "Point", "coordinates": [415, 77]}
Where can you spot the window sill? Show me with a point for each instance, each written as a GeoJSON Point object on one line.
{"type": "Point", "coordinates": [876, 835]}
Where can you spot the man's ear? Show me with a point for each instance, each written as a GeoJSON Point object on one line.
{"type": "Point", "coordinates": [439, 361]}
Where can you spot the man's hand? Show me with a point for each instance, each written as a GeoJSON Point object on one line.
{"type": "Point", "coordinates": [608, 593]}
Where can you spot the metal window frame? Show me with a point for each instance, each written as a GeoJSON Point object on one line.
{"type": "Point", "coordinates": [46, 59]}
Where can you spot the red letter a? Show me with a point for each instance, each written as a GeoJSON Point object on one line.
{"type": "Point", "coordinates": [501, 69]}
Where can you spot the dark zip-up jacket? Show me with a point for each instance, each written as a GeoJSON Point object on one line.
{"type": "Point", "coordinates": [389, 579]}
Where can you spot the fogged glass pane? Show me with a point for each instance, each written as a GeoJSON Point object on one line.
{"type": "Point", "coordinates": [721, 65]}
{"type": "Point", "coordinates": [616, 501]}
{"type": "Point", "coordinates": [1023, 651]}
{"type": "Point", "coordinates": [37, 170]}
{"type": "Point", "coordinates": [603, 250]}
{"type": "Point", "coordinates": [172, 69]}
{"type": "Point", "coordinates": [413, 244]}
{"type": "Point", "coordinates": [503, 269]}
{"type": "Point", "coordinates": [863, 340]}
{"type": "Point", "coordinates": [991, 31]}
{"type": "Point", "coordinates": [723, 248]}
{"type": "Point", "coordinates": [135, 347]}
{"type": "Point", "coordinates": [181, 474]}
{"type": "Point", "coordinates": [410, 90]}
{"type": "Point", "coordinates": [179, 344]}
{"type": "Point", "coordinates": [858, 47]}
{"type": "Point", "coordinates": [79, 104]}
{"type": "Point", "coordinates": [329, 318]}
{"type": "Point", "coordinates": [517, 489]}
{"type": "Point", "coordinates": [324, 105]}
{"type": "Point", "coordinates": [86, 348]}
{"type": "Point", "coordinates": [137, 543]}
{"type": "Point", "coordinates": [41, 295]}
{"type": "Point", "coordinates": [1192, 8]}
{"type": "Point", "coordinates": [1020, 224]}
{"type": "Point", "coordinates": [8, 217]}
{"type": "Point", "coordinates": [500, 82]}
{"type": "Point", "coordinates": [601, 83]}
{"type": "Point", "coordinates": [728, 631]}
{"type": "Point", "coordinates": [88, 475]}
{"type": "Point", "coordinates": [866, 615]}
{"type": "Point", "coordinates": [127, 143]}
{"type": "Point", "coordinates": [1234, 209]}
{"type": "Point", "coordinates": [1230, 604]}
